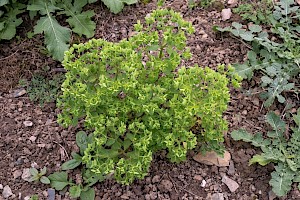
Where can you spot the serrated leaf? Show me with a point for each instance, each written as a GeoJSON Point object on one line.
{"type": "Point", "coordinates": [82, 23]}
{"type": "Point", "coordinates": [114, 6]}
{"type": "Point", "coordinates": [241, 135]}
{"type": "Point", "coordinates": [59, 180]}
{"type": "Point", "coordinates": [244, 70]}
{"type": "Point", "coordinates": [260, 159]}
{"type": "Point", "coordinates": [247, 35]}
{"type": "Point", "coordinates": [71, 164]}
{"type": "Point", "coordinates": [45, 180]}
{"type": "Point", "coordinates": [57, 37]}
{"type": "Point", "coordinates": [4, 2]}
{"type": "Point", "coordinates": [88, 194]}
{"type": "Point", "coordinates": [281, 180]}
{"type": "Point", "coordinates": [129, 2]}
{"type": "Point", "coordinates": [274, 120]}
{"type": "Point", "coordinates": [75, 191]}
{"type": "Point", "coordinates": [8, 30]}
{"type": "Point", "coordinates": [255, 28]}
{"type": "Point", "coordinates": [43, 7]}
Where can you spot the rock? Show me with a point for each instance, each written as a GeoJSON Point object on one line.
{"type": "Point", "coordinates": [231, 169]}
{"type": "Point", "coordinates": [26, 174]}
{"type": "Point", "coordinates": [17, 174]}
{"type": "Point", "coordinates": [216, 196]}
{"type": "Point", "coordinates": [255, 101]}
{"type": "Point", "coordinates": [211, 158]}
{"type": "Point", "coordinates": [28, 123]}
{"type": "Point", "coordinates": [1, 187]}
{"type": "Point", "coordinates": [165, 186]}
{"type": "Point", "coordinates": [6, 192]}
{"type": "Point", "coordinates": [32, 138]}
{"type": "Point", "coordinates": [156, 179]}
{"type": "Point", "coordinates": [51, 194]}
{"type": "Point", "coordinates": [19, 92]}
{"type": "Point", "coordinates": [198, 178]}
{"type": "Point", "coordinates": [226, 14]}
{"type": "Point", "coordinates": [203, 183]}
{"type": "Point", "coordinates": [27, 198]}
{"type": "Point", "coordinates": [231, 184]}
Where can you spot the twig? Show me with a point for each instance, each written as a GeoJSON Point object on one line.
{"type": "Point", "coordinates": [173, 183]}
{"type": "Point", "coordinates": [63, 149]}
{"type": "Point", "coordinates": [9, 55]}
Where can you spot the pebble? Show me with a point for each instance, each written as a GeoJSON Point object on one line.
{"type": "Point", "coordinates": [231, 184]}
{"type": "Point", "coordinates": [51, 194]}
{"type": "Point", "coordinates": [156, 179]}
{"type": "Point", "coordinates": [166, 185]}
{"type": "Point", "coordinates": [231, 169]}
{"type": "Point", "coordinates": [198, 178]}
{"type": "Point", "coordinates": [7, 192]}
{"type": "Point", "coordinates": [26, 174]}
{"type": "Point", "coordinates": [27, 123]}
{"type": "Point", "coordinates": [203, 183]}
{"type": "Point", "coordinates": [216, 196]}
{"type": "Point", "coordinates": [1, 187]}
{"type": "Point", "coordinates": [17, 174]}
{"type": "Point", "coordinates": [32, 138]}
{"type": "Point", "coordinates": [27, 198]}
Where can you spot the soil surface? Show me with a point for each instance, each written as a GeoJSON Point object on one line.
{"type": "Point", "coordinates": [31, 137]}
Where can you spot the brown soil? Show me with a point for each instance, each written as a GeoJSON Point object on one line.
{"type": "Point", "coordinates": [45, 143]}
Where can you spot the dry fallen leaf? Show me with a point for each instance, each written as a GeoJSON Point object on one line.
{"type": "Point", "coordinates": [226, 14]}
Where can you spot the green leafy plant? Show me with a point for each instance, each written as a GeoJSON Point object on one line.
{"type": "Point", "coordinates": [38, 176]}
{"type": "Point", "coordinates": [278, 59]}
{"type": "Point", "coordinates": [42, 90]}
{"type": "Point", "coordinates": [83, 189]}
{"type": "Point", "coordinates": [34, 197]}
{"type": "Point", "coordinates": [117, 6]}
{"type": "Point", "coordinates": [137, 98]}
{"type": "Point", "coordinates": [285, 154]}
{"type": "Point", "coordinates": [256, 11]}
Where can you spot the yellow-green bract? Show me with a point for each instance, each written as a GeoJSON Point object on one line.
{"type": "Point", "coordinates": [137, 99]}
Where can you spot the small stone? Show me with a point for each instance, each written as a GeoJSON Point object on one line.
{"type": "Point", "coordinates": [216, 196]}
{"type": "Point", "coordinates": [231, 169]}
{"type": "Point", "coordinates": [41, 145]}
{"type": "Point", "coordinates": [226, 14]}
{"type": "Point", "coordinates": [212, 158]}
{"type": "Point", "coordinates": [18, 92]}
{"type": "Point", "coordinates": [17, 174]}
{"type": "Point", "coordinates": [27, 198]}
{"type": "Point", "coordinates": [124, 196]}
{"type": "Point", "coordinates": [198, 178]}
{"type": "Point", "coordinates": [28, 123]}
{"type": "Point", "coordinates": [244, 112]}
{"type": "Point", "coordinates": [231, 184]}
{"type": "Point", "coordinates": [1, 187]}
{"type": "Point", "coordinates": [203, 183]}
{"type": "Point", "coordinates": [26, 174]}
{"type": "Point", "coordinates": [156, 179]}
{"type": "Point", "coordinates": [6, 192]}
{"type": "Point", "coordinates": [32, 138]}
{"type": "Point", "coordinates": [255, 101]}
{"type": "Point", "coordinates": [51, 194]}
{"type": "Point", "coordinates": [45, 193]}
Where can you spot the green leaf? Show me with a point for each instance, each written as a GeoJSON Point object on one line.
{"type": "Point", "coordinates": [129, 2]}
{"type": "Point", "coordinates": [43, 171]}
{"type": "Point", "coordinates": [260, 159]}
{"type": "Point", "coordinates": [114, 6]}
{"type": "Point", "coordinates": [45, 180]}
{"type": "Point", "coordinates": [71, 164]}
{"type": "Point", "coordinates": [82, 141]}
{"type": "Point", "coordinates": [255, 28]}
{"type": "Point", "coordinates": [281, 180]}
{"type": "Point", "coordinates": [59, 180]}
{"type": "Point", "coordinates": [88, 195]}
{"type": "Point", "coordinates": [75, 191]}
{"type": "Point", "coordinates": [8, 27]}
{"type": "Point", "coordinates": [33, 171]}
{"type": "Point", "coordinates": [274, 120]}
{"type": "Point", "coordinates": [56, 36]}
{"type": "Point", "coordinates": [4, 2]}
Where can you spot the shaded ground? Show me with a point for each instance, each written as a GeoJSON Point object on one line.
{"type": "Point", "coordinates": [45, 143]}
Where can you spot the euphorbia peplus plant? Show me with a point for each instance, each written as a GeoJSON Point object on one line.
{"type": "Point", "coordinates": [137, 99]}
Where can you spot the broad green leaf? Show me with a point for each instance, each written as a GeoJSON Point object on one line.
{"type": "Point", "coordinates": [248, 36]}
{"type": "Point", "coordinates": [275, 121]}
{"type": "Point", "coordinates": [114, 6]}
{"type": "Point", "coordinates": [75, 191]}
{"type": "Point", "coordinates": [260, 159]}
{"type": "Point", "coordinates": [292, 165]}
{"type": "Point", "coordinates": [82, 23]}
{"type": "Point", "coordinates": [241, 135]}
{"type": "Point", "coordinates": [81, 141]}
{"type": "Point", "coordinates": [33, 171]}
{"type": "Point", "coordinates": [255, 28]}
{"type": "Point", "coordinates": [3, 2]}
{"type": "Point", "coordinates": [71, 164]}
{"type": "Point", "coordinates": [57, 37]}
{"type": "Point", "coordinates": [59, 180]}
{"type": "Point", "coordinates": [43, 7]}
{"type": "Point", "coordinates": [88, 194]}
{"type": "Point", "coordinates": [281, 180]}
{"type": "Point", "coordinates": [129, 2]}
{"type": "Point", "coordinates": [8, 27]}
{"type": "Point", "coordinates": [43, 171]}
{"type": "Point", "coordinates": [45, 180]}
{"type": "Point", "coordinates": [244, 70]}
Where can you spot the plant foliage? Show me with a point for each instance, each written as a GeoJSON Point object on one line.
{"type": "Point", "coordinates": [276, 55]}
{"type": "Point", "coordinates": [285, 154]}
{"type": "Point", "coordinates": [137, 99]}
